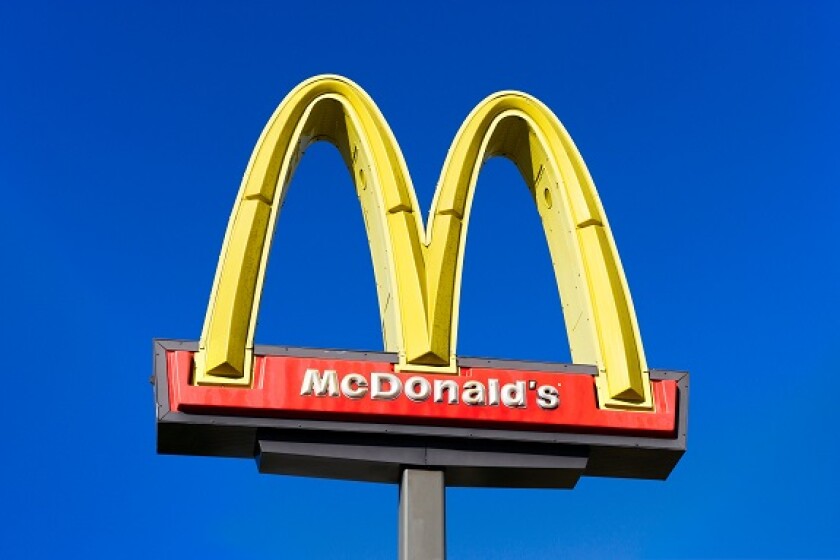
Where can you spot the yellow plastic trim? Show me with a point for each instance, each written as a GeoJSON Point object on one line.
{"type": "Point", "coordinates": [418, 270]}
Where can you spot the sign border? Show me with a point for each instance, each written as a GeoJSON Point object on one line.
{"type": "Point", "coordinates": [378, 452]}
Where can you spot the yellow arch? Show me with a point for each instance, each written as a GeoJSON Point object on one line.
{"type": "Point", "coordinates": [418, 272]}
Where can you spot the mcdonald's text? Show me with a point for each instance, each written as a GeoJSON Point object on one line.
{"type": "Point", "coordinates": [389, 386]}
{"type": "Point", "coordinates": [374, 391]}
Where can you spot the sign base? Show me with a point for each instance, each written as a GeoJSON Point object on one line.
{"type": "Point", "coordinates": [311, 428]}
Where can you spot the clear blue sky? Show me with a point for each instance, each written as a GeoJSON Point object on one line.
{"type": "Point", "coordinates": [711, 130]}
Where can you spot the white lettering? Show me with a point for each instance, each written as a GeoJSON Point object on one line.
{"type": "Point", "coordinates": [378, 392]}
{"type": "Point", "coordinates": [417, 388]}
{"type": "Point", "coordinates": [322, 385]}
{"type": "Point", "coordinates": [548, 397]}
{"type": "Point", "coordinates": [451, 389]}
{"type": "Point", "coordinates": [473, 393]}
{"type": "Point", "coordinates": [354, 386]}
{"type": "Point", "coordinates": [513, 394]}
{"type": "Point", "coordinates": [493, 392]}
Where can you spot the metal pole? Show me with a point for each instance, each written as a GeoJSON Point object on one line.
{"type": "Point", "coordinates": [422, 515]}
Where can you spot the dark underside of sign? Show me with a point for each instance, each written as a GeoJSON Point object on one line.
{"type": "Point", "coordinates": [328, 413]}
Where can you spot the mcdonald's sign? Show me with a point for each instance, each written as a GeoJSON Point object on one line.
{"type": "Point", "coordinates": [365, 415]}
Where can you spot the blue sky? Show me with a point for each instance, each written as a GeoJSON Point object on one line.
{"type": "Point", "coordinates": [711, 131]}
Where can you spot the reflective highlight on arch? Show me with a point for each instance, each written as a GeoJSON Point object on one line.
{"type": "Point", "coordinates": [417, 269]}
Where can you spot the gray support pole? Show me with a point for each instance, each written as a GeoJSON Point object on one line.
{"type": "Point", "coordinates": [422, 515]}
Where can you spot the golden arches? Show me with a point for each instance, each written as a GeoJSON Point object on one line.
{"type": "Point", "coordinates": [418, 270]}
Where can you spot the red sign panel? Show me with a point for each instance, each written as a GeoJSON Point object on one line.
{"type": "Point", "coordinates": [371, 391]}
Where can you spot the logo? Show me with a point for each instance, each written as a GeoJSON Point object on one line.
{"type": "Point", "coordinates": [418, 266]}
{"type": "Point", "coordinates": [388, 386]}
{"type": "Point", "coordinates": [371, 416]}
